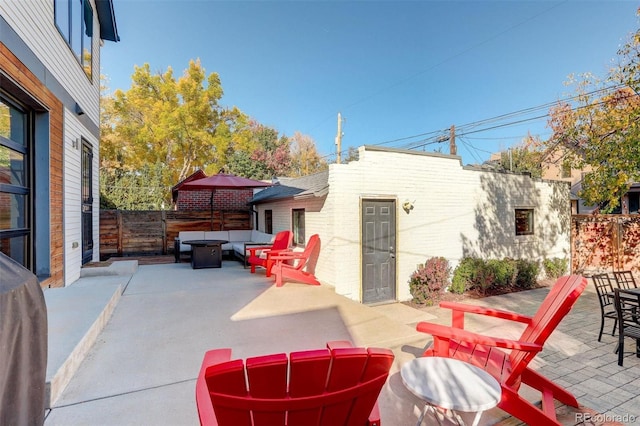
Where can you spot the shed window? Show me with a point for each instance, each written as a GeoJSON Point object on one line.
{"type": "Point", "coordinates": [634, 203]}
{"type": "Point", "coordinates": [297, 220]}
{"type": "Point", "coordinates": [268, 221]}
{"type": "Point", "coordinates": [524, 221]}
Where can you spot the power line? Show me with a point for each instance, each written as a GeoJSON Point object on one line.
{"type": "Point", "coordinates": [544, 106]}
{"type": "Point", "coordinates": [437, 136]}
{"type": "Point", "coordinates": [475, 149]}
{"type": "Point", "coordinates": [532, 109]}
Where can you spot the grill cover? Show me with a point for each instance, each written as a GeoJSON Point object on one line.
{"type": "Point", "coordinates": [23, 345]}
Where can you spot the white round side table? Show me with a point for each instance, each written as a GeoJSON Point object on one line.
{"type": "Point", "coordinates": [451, 384]}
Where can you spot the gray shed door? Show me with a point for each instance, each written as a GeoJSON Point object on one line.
{"type": "Point", "coordinates": [378, 250]}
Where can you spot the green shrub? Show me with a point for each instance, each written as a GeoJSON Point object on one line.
{"type": "Point", "coordinates": [527, 273]}
{"type": "Point", "coordinates": [429, 280]}
{"type": "Point", "coordinates": [485, 276]}
{"type": "Point", "coordinates": [505, 272]}
{"type": "Point", "coordinates": [556, 267]}
{"type": "Point", "coordinates": [464, 275]}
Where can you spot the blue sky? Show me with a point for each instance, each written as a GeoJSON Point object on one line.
{"type": "Point", "coordinates": [400, 73]}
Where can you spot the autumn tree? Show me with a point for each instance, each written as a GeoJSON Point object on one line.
{"type": "Point", "coordinates": [269, 157]}
{"type": "Point", "coordinates": [164, 128]}
{"type": "Point", "coordinates": [525, 158]}
{"type": "Point", "coordinates": [173, 122]}
{"type": "Point", "coordinates": [305, 159]}
{"type": "Point", "coordinates": [601, 131]}
{"type": "Point", "coordinates": [352, 155]}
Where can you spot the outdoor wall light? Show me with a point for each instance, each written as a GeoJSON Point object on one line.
{"type": "Point", "coordinates": [75, 143]}
{"type": "Point", "coordinates": [407, 206]}
{"type": "Point", "coordinates": [79, 109]}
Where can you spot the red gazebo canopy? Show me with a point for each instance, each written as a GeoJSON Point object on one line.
{"type": "Point", "coordinates": [222, 181]}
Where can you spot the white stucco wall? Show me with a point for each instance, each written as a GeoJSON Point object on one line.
{"type": "Point", "coordinates": [457, 212]}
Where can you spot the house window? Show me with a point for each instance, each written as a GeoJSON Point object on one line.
{"type": "Point", "coordinates": [268, 221]}
{"type": "Point", "coordinates": [566, 170]}
{"type": "Point", "coordinates": [74, 19]}
{"type": "Point", "coordinates": [297, 221]}
{"type": "Point", "coordinates": [634, 203]}
{"type": "Point", "coordinates": [15, 190]}
{"type": "Point", "coordinates": [524, 221]}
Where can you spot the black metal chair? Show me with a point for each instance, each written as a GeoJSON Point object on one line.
{"type": "Point", "coordinates": [604, 288]}
{"type": "Point", "coordinates": [625, 279]}
{"type": "Point", "coordinates": [627, 305]}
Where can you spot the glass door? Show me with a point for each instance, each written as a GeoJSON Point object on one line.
{"type": "Point", "coordinates": [87, 202]}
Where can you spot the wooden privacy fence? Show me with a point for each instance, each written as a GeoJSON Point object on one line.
{"type": "Point", "coordinates": [125, 232]}
{"type": "Point", "coordinates": [601, 243]}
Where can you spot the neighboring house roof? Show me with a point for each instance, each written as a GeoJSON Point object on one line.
{"type": "Point", "coordinates": [107, 19]}
{"type": "Point", "coordinates": [315, 185]}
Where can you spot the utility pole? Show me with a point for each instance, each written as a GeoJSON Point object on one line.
{"type": "Point", "coordinates": [452, 140]}
{"type": "Point", "coordinates": [339, 139]}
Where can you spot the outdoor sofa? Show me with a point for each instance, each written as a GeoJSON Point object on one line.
{"type": "Point", "coordinates": [237, 244]}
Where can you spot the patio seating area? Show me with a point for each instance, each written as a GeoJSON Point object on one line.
{"type": "Point", "coordinates": [127, 349]}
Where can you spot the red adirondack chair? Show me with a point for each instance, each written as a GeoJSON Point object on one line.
{"type": "Point", "coordinates": [282, 241]}
{"type": "Point", "coordinates": [328, 386]}
{"type": "Point", "coordinates": [297, 266]}
{"type": "Point", "coordinates": [510, 366]}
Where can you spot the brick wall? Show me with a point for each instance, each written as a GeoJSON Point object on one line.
{"type": "Point", "coordinates": [223, 199]}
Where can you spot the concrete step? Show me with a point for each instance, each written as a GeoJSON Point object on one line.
{"type": "Point", "coordinates": [76, 315]}
{"type": "Point", "coordinates": [120, 267]}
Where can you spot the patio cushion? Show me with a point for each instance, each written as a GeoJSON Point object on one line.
{"type": "Point", "coordinates": [239, 238]}
{"type": "Point", "coordinates": [239, 235]}
{"type": "Point", "coordinates": [236, 239]}
{"type": "Point", "coordinates": [219, 235]}
{"type": "Point", "coordinates": [261, 237]}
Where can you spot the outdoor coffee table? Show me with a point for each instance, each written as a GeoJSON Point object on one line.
{"type": "Point", "coordinates": [206, 253]}
{"type": "Point", "coordinates": [451, 384]}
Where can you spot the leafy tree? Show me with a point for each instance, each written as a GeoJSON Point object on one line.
{"type": "Point", "coordinates": [271, 156]}
{"type": "Point", "coordinates": [352, 155]}
{"type": "Point", "coordinates": [133, 190]}
{"type": "Point", "coordinates": [176, 123]}
{"type": "Point", "coordinates": [305, 159]}
{"type": "Point", "coordinates": [526, 158]}
{"type": "Point", "coordinates": [602, 132]}
{"type": "Point", "coordinates": [164, 128]}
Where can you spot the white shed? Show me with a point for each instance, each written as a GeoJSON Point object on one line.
{"type": "Point", "coordinates": [381, 216]}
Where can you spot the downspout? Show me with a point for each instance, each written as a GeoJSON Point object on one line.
{"type": "Point", "coordinates": [255, 213]}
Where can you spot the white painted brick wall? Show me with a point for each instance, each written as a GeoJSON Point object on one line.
{"type": "Point", "coordinates": [457, 212]}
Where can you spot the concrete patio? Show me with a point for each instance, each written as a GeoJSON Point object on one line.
{"type": "Point", "coordinates": [125, 348]}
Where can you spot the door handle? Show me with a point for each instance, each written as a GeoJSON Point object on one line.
{"type": "Point", "coordinates": [391, 252]}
